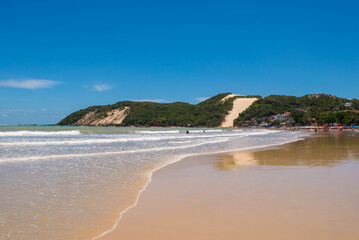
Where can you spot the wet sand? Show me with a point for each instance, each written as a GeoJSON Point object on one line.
{"type": "Point", "coordinates": [302, 190]}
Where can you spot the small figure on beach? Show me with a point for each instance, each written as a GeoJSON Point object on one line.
{"type": "Point", "coordinates": [187, 132]}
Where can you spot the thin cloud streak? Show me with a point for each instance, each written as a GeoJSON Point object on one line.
{"type": "Point", "coordinates": [201, 99]}
{"type": "Point", "coordinates": [8, 112]}
{"type": "Point", "coordinates": [101, 87]}
{"type": "Point", "coordinates": [17, 110]}
{"type": "Point", "coordinates": [28, 83]}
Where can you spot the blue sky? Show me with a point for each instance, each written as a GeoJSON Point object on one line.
{"type": "Point", "coordinates": [59, 56]}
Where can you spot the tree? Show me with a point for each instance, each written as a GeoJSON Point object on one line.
{"type": "Point", "coordinates": [275, 123]}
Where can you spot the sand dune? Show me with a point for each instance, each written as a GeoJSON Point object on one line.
{"type": "Point", "coordinates": [229, 96]}
{"type": "Point", "coordinates": [239, 105]}
{"type": "Point", "coordinates": [114, 117]}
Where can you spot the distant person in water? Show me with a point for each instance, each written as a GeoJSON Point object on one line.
{"type": "Point", "coordinates": [187, 132]}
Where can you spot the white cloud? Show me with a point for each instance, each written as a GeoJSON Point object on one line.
{"type": "Point", "coordinates": [9, 112]}
{"type": "Point", "coordinates": [150, 100]}
{"type": "Point", "coordinates": [28, 83]}
{"type": "Point", "coordinates": [201, 99]}
{"type": "Point", "coordinates": [101, 87]}
{"type": "Point", "coordinates": [16, 110]}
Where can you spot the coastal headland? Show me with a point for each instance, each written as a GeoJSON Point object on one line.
{"type": "Point", "coordinates": [226, 110]}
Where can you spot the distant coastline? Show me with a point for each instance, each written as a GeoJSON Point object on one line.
{"type": "Point", "coordinates": [225, 110]}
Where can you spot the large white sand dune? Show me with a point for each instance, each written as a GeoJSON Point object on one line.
{"type": "Point", "coordinates": [239, 105]}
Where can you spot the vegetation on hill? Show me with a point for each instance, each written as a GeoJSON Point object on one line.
{"type": "Point", "coordinates": [310, 109]}
{"type": "Point", "coordinates": [210, 113]}
{"type": "Point", "coordinates": [319, 108]}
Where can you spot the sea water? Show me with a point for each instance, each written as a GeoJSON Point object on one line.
{"type": "Point", "coordinates": [76, 182]}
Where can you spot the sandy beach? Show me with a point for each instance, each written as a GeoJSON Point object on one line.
{"type": "Point", "coordinates": [302, 190]}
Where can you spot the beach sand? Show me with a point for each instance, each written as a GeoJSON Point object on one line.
{"type": "Point", "coordinates": [303, 190]}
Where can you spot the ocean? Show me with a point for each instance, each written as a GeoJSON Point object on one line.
{"type": "Point", "coordinates": [61, 182]}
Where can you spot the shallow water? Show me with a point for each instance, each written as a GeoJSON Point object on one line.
{"type": "Point", "coordinates": [72, 182]}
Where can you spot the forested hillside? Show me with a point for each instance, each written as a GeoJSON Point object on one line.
{"type": "Point", "coordinates": [310, 109]}
{"type": "Point", "coordinates": [318, 108]}
{"type": "Point", "coordinates": [207, 113]}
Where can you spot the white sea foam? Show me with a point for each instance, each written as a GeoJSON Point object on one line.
{"type": "Point", "coordinates": [77, 155]}
{"type": "Point", "coordinates": [128, 138]}
{"type": "Point", "coordinates": [38, 133]}
{"type": "Point", "coordinates": [157, 132]}
{"type": "Point", "coordinates": [190, 130]}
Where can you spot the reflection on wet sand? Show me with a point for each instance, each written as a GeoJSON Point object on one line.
{"type": "Point", "coordinates": [234, 160]}
{"type": "Point", "coordinates": [318, 150]}
{"type": "Point", "coordinates": [274, 194]}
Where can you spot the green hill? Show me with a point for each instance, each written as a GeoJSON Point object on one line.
{"type": "Point", "coordinates": [207, 113]}
{"type": "Point", "coordinates": [306, 110]}
{"type": "Point", "coordinates": [319, 108]}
